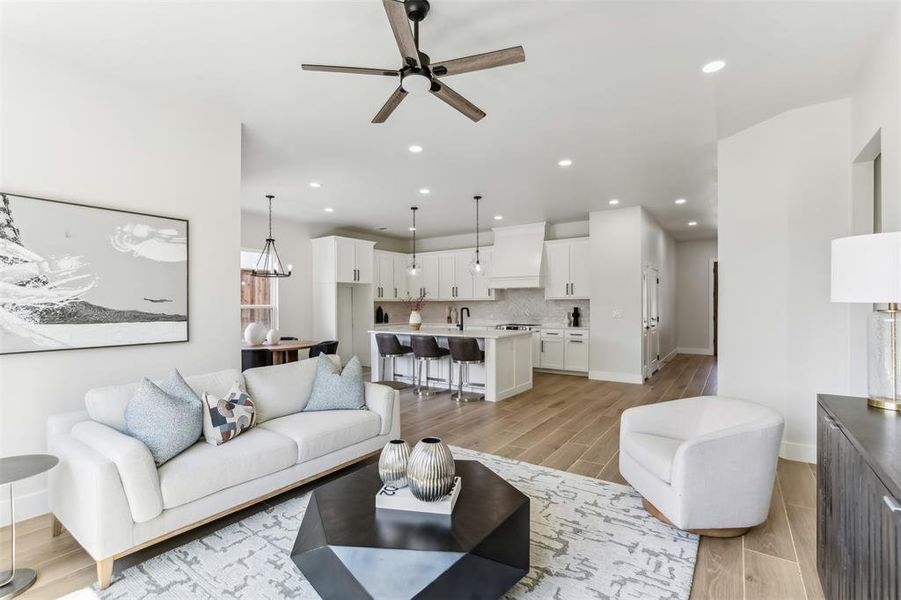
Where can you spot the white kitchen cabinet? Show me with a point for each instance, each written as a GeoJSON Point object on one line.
{"type": "Point", "coordinates": [384, 275]}
{"type": "Point", "coordinates": [480, 289]}
{"type": "Point", "coordinates": [562, 349]}
{"type": "Point", "coordinates": [353, 260]}
{"type": "Point", "coordinates": [552, 353]}
{"type": "Point", "coordinates": [462, 276]}
{"type": "Point", "coordinates": [447, 276]}
{"type": "Point", "coordinates": [428, 279]}
{"type": "Point", "coordinates": [567, 264]}
{"type": "Point", "coordinates": [575, 355]}
{"type": "Point", "coordinates": [536, 349]}
{"type": "Point", "coordinates": [400, 276]}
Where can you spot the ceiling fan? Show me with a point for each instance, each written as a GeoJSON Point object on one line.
{"type": "Point", "coordinates": [418, 73]}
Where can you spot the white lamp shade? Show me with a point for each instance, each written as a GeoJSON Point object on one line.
{"type": "Point", "coordinates": [867, 268]}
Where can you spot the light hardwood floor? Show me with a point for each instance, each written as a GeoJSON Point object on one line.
{"type": "Point", "coordinates": [568, 423]}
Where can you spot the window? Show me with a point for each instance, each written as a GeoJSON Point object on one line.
{"type": "Point", "coordinates": [259, 295]}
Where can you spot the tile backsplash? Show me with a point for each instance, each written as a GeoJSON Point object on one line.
{"type": "Point", "coordinates": [512, 306]}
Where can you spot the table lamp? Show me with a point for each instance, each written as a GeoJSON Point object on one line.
{"type": "Point", "coordinates": [867, 269]}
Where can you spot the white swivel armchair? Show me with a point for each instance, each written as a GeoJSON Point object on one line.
{"type": "Point", "coordinates": [703, 464]}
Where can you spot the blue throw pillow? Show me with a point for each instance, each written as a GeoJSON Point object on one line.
{"type": "Point", "coordinates": [165, 423]}
{"type": "Point", "coordinates": [337, 390]}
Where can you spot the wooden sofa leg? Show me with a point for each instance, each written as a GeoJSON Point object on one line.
{"type": "Point", "coordinates": [104, 572]}
{"type": "Point", "coordinates": [57, 527]}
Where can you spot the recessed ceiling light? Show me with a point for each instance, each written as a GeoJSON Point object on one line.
{"type": "Point", "coordinates": [713, 66]}
{"type": "Point", "coordinates": [692, 223]}
{"type": "Point", "coordinates": [329, 209]}
{"type": "Point", "coordinates": [681, 200]}
{"type": "Point", "coordinates": [315, 184]}
{"type": "Point", "coordinates": [412, 228]}
{"type": "Point", "coordinates": [498, 217]}
{"type": "Point", "coordinates": [565, 162]}
{"type": "Point", "coordinates": [415, 149]}
{"type": "Point", "coordinates": [613, 202]}
{"type": "Point", "coordinates": [424, 191]}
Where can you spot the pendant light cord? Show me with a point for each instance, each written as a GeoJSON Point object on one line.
{"type": "Point", "coordinates": [477, 227]}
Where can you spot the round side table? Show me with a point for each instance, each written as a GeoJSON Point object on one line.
{"type": "Point", "coordinates": [12, 469]}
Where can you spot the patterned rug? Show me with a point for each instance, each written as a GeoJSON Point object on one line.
{"type": "Point", "coordinates": [590, 539]}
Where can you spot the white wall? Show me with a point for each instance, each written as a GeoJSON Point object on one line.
{"type": "Point", "coordinates": [694, 296]}
{"type": "Point", "coordinates": [784, 194]}
{"type": "Point", "coordinates": [70, 134]}
{"type": "Point", "coordinates": [658, 250]}
{"type": "Point", "coordinates": [616, 248]}
{"type": "Point", "coordinates": [294, 295]}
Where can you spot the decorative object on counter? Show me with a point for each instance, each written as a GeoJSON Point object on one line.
{"type": "Point", "coordinates": [386, 319]}
{"type": "Point", "coordinates": [865, 269]}
{"type": "Point", "coordinates": [269, 264]}
{"type": "Point", "coordinates": [273, 337]}
{"type": "Point", "coordinates": [254, 334]}
{"type": "Point", "coordinates": [447, 314]}
{"type": "Point", "coordinates": [577, 317]}
{"type": "Point", "coordinates": [569, 319]}
{"type": "Point", "coordinates": [393, 463]}
{"type": "Point", "coordinates": [431, 470]}
{"type": "Point", "coordinates": [475, 266]}
{"type": "Point", "coordinates": [379, 315]}
{"type": "Point", "coordinates": [413, 269]}
{"type": "Point", "coordinates": [455, 318]}
{"type": "Point", "coordinates": [415, 305]}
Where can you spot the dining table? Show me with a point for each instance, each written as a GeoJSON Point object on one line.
{"type": "Point", "coordinates": [283, 352]}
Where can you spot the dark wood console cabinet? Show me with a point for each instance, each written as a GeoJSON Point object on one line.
{"type": "Point", "coordinates": [858, 499]}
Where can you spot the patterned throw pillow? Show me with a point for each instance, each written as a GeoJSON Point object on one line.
{"type": "Point", "coordinates": [337, 390]}
{"type": "Point", "coordinates": [226, 418]}
{"type": "Point", "coordinates": [167, 424]}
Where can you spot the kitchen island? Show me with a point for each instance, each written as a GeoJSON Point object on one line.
{"type": "Point", "coordinates": [508, 359]}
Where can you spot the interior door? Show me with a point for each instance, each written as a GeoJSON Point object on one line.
{"type": "Point", "coordinates": [580, 265]}
{"type": "Point", "coordinates": [345, 322]}
{"type": "Point", "coordinates": [651, 320]}
{"type": "Point", "coordinates": [556, 281]}
{"type": "Point", "coordinates": [446, 276]}
{"type": "Point", "coordinates": [462, 276]}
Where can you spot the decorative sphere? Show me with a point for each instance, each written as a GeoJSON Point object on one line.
{"type": "Point", "coordinates": [255, 334]}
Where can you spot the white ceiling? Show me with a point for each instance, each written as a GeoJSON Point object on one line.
{"type": "Point", "coordinates": [615, 86]}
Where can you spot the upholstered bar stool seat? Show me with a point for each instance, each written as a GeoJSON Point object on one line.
{"type": "Point", "coordinates": [705, 465]}
{"type": "Point", "coordinates": [391, 348]}
{"type": "Point", "coordinates": [426, 350]}
{"type": "Point", "coordinates": [465, 352]}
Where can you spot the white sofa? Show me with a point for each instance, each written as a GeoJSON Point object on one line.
{"type": "Point", "coordinates": [108, 493]}
{"type": "Point", "coordinates": [703, 464]}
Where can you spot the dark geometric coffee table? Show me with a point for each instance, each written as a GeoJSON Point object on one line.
{"type": "Point", "coordinates": [348, 549]}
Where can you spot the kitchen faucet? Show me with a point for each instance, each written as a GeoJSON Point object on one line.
{"type": "Point", "coordinates": [460, 322]}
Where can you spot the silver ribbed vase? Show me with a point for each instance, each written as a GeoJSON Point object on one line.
{"type": "Point", "coordinates": [393, 463]}
{"type": "Point", "coordinates": [431, 470]}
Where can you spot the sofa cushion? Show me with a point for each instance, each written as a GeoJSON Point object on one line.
{"type": "Point", "coordinates": [282, 390]}
{"type": "Point", "coordinates": [107, 404]}
{"type": "Point", "coordinates": [167, 424]}
{"type": "Point", "coordinates": [335, 389]}
{"type": "Point", "coordinates": [319, 433]}
{"type": "Point", "coordinates": [204, 469]}
{"type": "Point", "coordinates": [654, 452]}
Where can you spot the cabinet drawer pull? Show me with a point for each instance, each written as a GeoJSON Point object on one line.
{"type": "Point", "coordinates": [892, 504]}
{"type": "Point", "coordinates": [575, 341]}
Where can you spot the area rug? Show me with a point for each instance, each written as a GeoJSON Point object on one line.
{"type": "Point", "coordinates": [590, 539]}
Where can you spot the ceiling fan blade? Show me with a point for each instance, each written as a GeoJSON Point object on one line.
{"type": "Point", "coordinates": [457, 101]}
{"type": "Point", "coordinates": [400, 25]}
{"type": "Point", "coordinates": [478, 62]}
{"type": "Point", "coordinates": [353, 70]}
{"type": "Point", "coordinates": [393, 101]}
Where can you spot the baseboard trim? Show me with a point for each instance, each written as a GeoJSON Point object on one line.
{"type": "Point", "coordinates": [615, 377]}
{"type": "Point", "coordinates": [670, 356]}
{"type": "Point", "coordinates": [703, 351]}
{"type": "Point", "coordinates": [800, 452]}
{"type": "Point", "coordinates": [28, 506]}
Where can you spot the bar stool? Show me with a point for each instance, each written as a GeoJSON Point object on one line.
{"type": "Point", "coordinates": [390, 347]}
{"type": "Point", "coordinates": [426, 349]}
{"type": "Point", "coordinates": [465, 352]}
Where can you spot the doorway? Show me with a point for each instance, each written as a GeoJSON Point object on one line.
{"type": "Point", "coordinates": [716, 304]}
{"type": "Point", "coordinates": [650, 320]}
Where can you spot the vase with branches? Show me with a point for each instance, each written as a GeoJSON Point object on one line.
{"type": "Point", "coordinates": [415, 304]}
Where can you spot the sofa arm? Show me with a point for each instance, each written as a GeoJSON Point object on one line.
{"type": "Point", "coordinates": [64, 422]}
{"type": "Point", "coordinates": [385, 402]}
{"type": "Point", "coordinates": [86, 495]}
{"type": "Point", "coordinates": [134, 463]}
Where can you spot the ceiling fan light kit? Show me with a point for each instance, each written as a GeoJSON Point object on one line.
{"type": "Point", "coordinates": [418, 74]}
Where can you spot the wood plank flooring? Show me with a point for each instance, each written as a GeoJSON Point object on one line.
{"type": "Point", "coordinates": [568, 423]}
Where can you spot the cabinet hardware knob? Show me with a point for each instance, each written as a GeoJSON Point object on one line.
{"type": "Point", "coordinates": [892, 504]}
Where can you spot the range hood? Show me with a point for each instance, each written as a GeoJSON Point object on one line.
{"type": "Point", "coordinates": [516, 262]}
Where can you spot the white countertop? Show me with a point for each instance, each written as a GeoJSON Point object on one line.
{"type": "Point", "coordinates": [449, 331]}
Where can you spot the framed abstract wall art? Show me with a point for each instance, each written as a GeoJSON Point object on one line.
{"type": "Point", "coordinates": [76, 276]}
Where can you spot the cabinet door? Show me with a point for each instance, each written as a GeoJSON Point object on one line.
{"type": "Point", "coordinates": [400, 277]}
{"type": "Point", "coordinates": [429, 279]}
{"type": "Point", "coordinates": [552, 354]}
{"type": "Point", "coordinates": [556, 280]}
{"type": "Point", "coordinates": [576, 355]}
{"type": "Point", "coordinates": [462, 277]}
{"type": "Point", "coordinates": [345, 267]}
{"type": "Point", "coordinates": [363, 261]}
{"type": "Point", "coordinates": [384, 275]}
{"type": "Point", "coordinates": [579, 266]}
{"type": "Point", "coordinates": [480, 289]}
{"type": "Point", "coordinates": [446, 276]}
{"type": "Point", "coordinates": [536, 349]}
